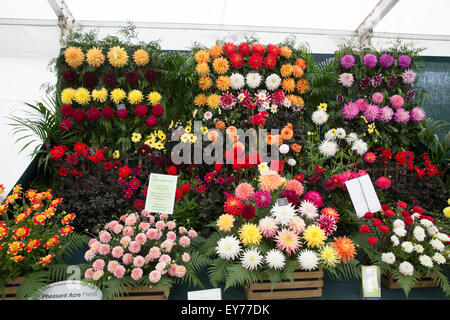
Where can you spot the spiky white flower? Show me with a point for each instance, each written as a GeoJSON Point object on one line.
{"type": "Point", "coordinates": [426, 261]}
{"type": "Point", "coordinates": [360, 147]}
{"type": "Point", "coordinates": [432, 230]}
{"type": "Point", "coordinates": [292, 162]}
{"type": "Point", "coordinates": [253, 80]}
{"type": "Point", "coordinates": [351, 137]}
{"type": "Point", "coordinates": [401, 232]}
{"type": "Point", "coordinates": [237, 81]}
{"type": "Point", "coordinates": [398, 223]}
{"type": "Point", "coordinates": [251, 259]}
{"type": "Point", "coordinates": [395, 241]}
{"type": "Point", "coordinates": [319, 117]}
{"type": "Point", "coordinates": [437, 245]}
{"type": "Point", "coordinates": [406, 268]}
{"type": "Point", "coordinates": [407, 246]}
{"type": "Point", "coordinates": [284, 148]}
{"type": "Point", "coordinates": [262, 95]}
{"type": "Point", "coordinates": [439, 258]}
{"type": "Point", "coordinates": [328, 148]}
{"type": "Point", "coordinates": [443, 237]}
{"type": "Point", "coordinates": [273, 81]}
{"type": "Point", "coordinates": [330, 135]}
{"type": "Point", "coordinates": [340, 133]}
{"type": "Point", "coordinates": [308, 260]}
{"type": "Point", "coordinates": [275, 259]}
{"type": "Point", "coordinates": [263, 166]}
{"type": "Point", "coordinates": [228, 248]}
{"type": "Point", "coordinates": [287, 103]}
{"type": "Point", "coordinates": [426, 223]}
{"type": "Point", "coordinates": [283, 214]}
{"type": "Point", "coordinates": [418, 248]}
{"type": "Point", "coordinates": [388, 257]}
{"type": "Point", "coordinates": [419, 233]}
{"type": "Point", "coordinates": [308, 209]}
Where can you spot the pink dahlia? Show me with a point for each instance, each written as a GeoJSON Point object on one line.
{"type": "Point", "coordinates": [408, 76]}
{"type": "Point", "coordinates": [89, 273]}
{"type": "Point", "coordinates": [138, 261]}
{"type": "Point", "coordinates": [171, 225]}
{"type": "Point", "coordinates": [160, 225]}
{"type": "Point", "coordinates": [127, 259]}
{"type": "Point", "coordinates": [245, 191]}
{"type": "Point", "coordinates": [383, 183]}
{"type": "Point", "coordinates": [117, 252]}
{"type": "Point", "coordinates": [314, 197]}
{"type": "Point", "coordinates": [135, 246]}
{"type": "Point", "coordinates": [141, 238]}
{"type": "Point", "coordinates": [185, 241]}
{"type": "Point", "coordinates": [180, 271]}
{"type": "Point", "coordinates": [228, 101]}
{"type": "Point", "coordinates": [105, 236]}
{"type": "Point", "coordinates": [98, 264]}
{"type": "Point", "coordinates": [294, 185]}
{"type": "Point", "coordinates": [371, 113]}
{"type": "Point", "coordinates": [112, 266]}
{"type": "Point", "coordinates": [377, 98]}
{"type": "Point", "coordinates": [125, 241]}
{"type": "Point", "coordinates": [346, 79]}
{"type": "Point", "coordinates": [167, 245]}
{"type": "Point", "coordinates": [404, 62]}
{"type": "Point", "coordinates": [402, 116]}
{"type": "Point", "coordinates": [172, 236]}
{"type": "Point", "coordinates": [136, 274]}
{"type": "Point", "coordinates": [186, 257]}
{"type": "Point", "coordinates": [417, 114]}
{"type": "Point", "coordinates": [103, 249]}
{"type": "Point", "coordinates": [350, 111]}
{"type": "Point", "coordinates": [165, 258]}
{"type": "Point", "coordinates": [397, 101]}
{"type": "Point", "coordinates": [347, 61]}
{"type": "Point", "coordinates": [119, 271]}
{"type": "Point", "coordinates": [268, 227]}
{"type": "Point", "coordinates": [154, 253]}
{"type": "Point", "coordinates": [192, 234]}
{"type": "Point", "coordinates": [130, 220]}
{"type": "Point", "coordinates": [370, 60]}
{"type": "Point", "coordinates": [327, 224]}
{"type": "Point", "coordinates": [297, 225]}
{"type": "Point", "coordinates": [287, 240]}
{"type": "Point", "coordinates": [154, 276]}
{"type": "Point", "coordinates": [370, 157]}
{"type": "Point", "coordinates": [386, 114]}
{"type": "Point", "coordinates": [362, 104]}
{"type": "Point", "coordinates": [262, 198]}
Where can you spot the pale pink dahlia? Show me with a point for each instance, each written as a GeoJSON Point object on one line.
{"type": "Point", "coordinates": [88, 273]}
{"type": "Point", "coordinates": [185, 241]}
{"type": "Point", "coordinates": [172, 236]}
{"type": "Point", "coordinates": [153, 234]}
{"type": "Point", "coordinates": [138, 261]}
{"type": "Point", "coordinates": [377, 98]}
{"type": "Point", "coordinates": [154, 276]}
{"type": "Point", "coordinates": [244, 191]}
{"type": "Point", "coordinates": [297, 225]}
{"type": "Point", "coordinates": [287, 240]}
{"type": "Point", "coordinates": [104, 236]}
{"type": "Point", "coordinates": [127, 259]}
{"type": "Point", "coordinates": [130, 220]}
{"type": "Point", "coordinates": [180, 271]}
{"type": "Point", "coordinates": [98, 264]}
{"type": "Point", "coordinates": [408, 76]}
{"type": "Point", "coordinates": [112, 265]}
{"type": "Point", "coordinates": [268, 227]}
{"type": "Point", "coordinates": [136, 274]}
{"type": "Point", "coordinates": [104, 249]}
{"type": "Point", "coordinates": [186, 257]}
{"type": "Point", "coordinates": [346, 79]}
{"type": "Point", "coordinates": [160, 225]}
{"type": "Point", "coordinates": [417, 114]}
{"type": "Point", "coordinates": [402, 116]}
{"type": "Point", "coordinates": [135, 246]}
{"type": "Point", "coordinates": [192, 234]}
{"type": "Point", "coordinates": [128, 231]}
{"type": "Point", "coordinates": [154, 253]}
{"type": "Point", "coordinates": [294, 185]}
{"type": "Point", "coordinates": [119, 272]}
{"type": "Point", "coordinates": [386, 114]}
{"type": "Point", "coordinates": [117, 252]}
{"type": "Point", "coordinates": [171, 225]}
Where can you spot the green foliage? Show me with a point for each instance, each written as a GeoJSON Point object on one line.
{"type": "Point", "coordinates": [32, 285]}
{"type": "Point", "coordinates": [237, 276]}
{"type": "Point", "coordinates": [73, 243]}
{"type": "Point", "coordinates": [435, 134]}
{"type": "Point", "coordinates": [406, 282]}
{"type": "Point", "coordinates": [346, 271]}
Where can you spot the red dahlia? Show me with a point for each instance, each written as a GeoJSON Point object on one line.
{"type": "Point", "coordinates": [158, 110]}
{"type": "Point", "coordinates": [178, 194]}
{"type": "Point", "coordinates": [274, 49]}
{"type": "Point", "coordinates": [93, 114]}
{"type": "Point", "coordinates": [244, 49]}
{"type": "Point", "coordinates": [108, 113]}
{"type": "Point", "coordinates": [248, 212]}
{"type": "Point", "coordinates": [229, 48]}
{"type": "Point", "coordinates": [368, 215]}
{"type": "Point", "coordinates": [65, 125]}
{"type": "Point", "coordinates": [79, 115]}
{"type": "Point", "coordinates": [122, 113]}
{"type": "Point", "coordinates": [255, 62]}
{"type": "Point", "coordinates": [372, 240]}
{"type": "Point", "coordinates": [258, 49]}
{"type": "Point", "coordinates": [185, 188]}
{"type": "Point", "coordinates": [236, 60]}
{"type": "Point", "coordinates": [151, 121]}
{"type": "Point", "coordinates": [109, 80]}
{"type": "Point", "coordinates": [269, 61]}
{"type": "Point", "coordinates": [172, 170]}
{"type": "Point", "coordinates": [140, 110]}
{"type": "Point", "coordinates": [364, 229]}
{"type": "Point", "coordinates": [233, 205]}
{"type": "Point", "coordinates": [67, 110]}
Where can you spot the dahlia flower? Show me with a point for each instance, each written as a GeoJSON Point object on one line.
{"type": "Point", "coordinates": [237, 81]}
{"type": "Point", "coordinates": [273, 81]}
{"type": "Point", "coordinates": [288, 241]}
{"type": "Point", "coordinates": [275, 259]}
{"type": "Point", "coordinates": [402, 116]}
{"type": "Point", "coordinates": [417, 114]}
{"type": "Point", "coordinates": [346, 79]}
{"type": "Point", "coordinates": [308, 209]}
{"type": "Point", "coordinates": [328, 148]}
{"type": "Point", "coordinates": [253, 80]}
{"type": "Point", "coordinates": [250, 234]}
{"type": "Point", "coordinates": [385, 115]}
{"type": "Point", "coordinates": [350, 111]}
{"type": "Point", "coordinates": [268, 227]}
{"type": "Point", "coordinates": [319, 117]}
{"type": "Point", "coordinates": [370, 60]}
{"type": "Point", "coordinates": [408, 76]}
{"type": "Point", "coordinates": [251, 259]}
{"type": "Point", "coordinates": [308, 260]}
{"type": "Point", "coordinates": [347, 61]}
{"type": "Point", "coordinates": [404, 62]}
{"type": "Point", "coordinates": [228, 248]}
{"type": "Point", "coordinates": [328, 256]}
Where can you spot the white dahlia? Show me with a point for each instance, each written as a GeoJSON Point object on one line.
{"type": "Point", "coordinates": [251, 259]}
{"type": "Point", "coordinates": [328, 148]}
{"type": "Point", "coordinates": [419, 233]}
{"type": "Point", "coordinates": [253, 80]}
{"type": "Point", "coordinates": [395, 241]}
{"type": "Point", "coordinates": [432, 230]}
{"type": "Point", "coordinates": [351, 137]}
{"type": "Point", "coordinates": [330, 135]}
{"type": "Point", "coordinates": [388, 257]}
{"type": "Point", "coordinates": [406, 268]}
{"type": "Point", "coordinates": [340, 133]}
{"type": "Point", "coordinates": [308, 209]}
{"type": "Point", "coordinates": [401, 232]}
{"type": "Point", "coordinates": [426, 261]}
{"type": "Point", "coordinates": [439, 258]}
{"type": "Point", "coordinates": [228, 248]}
{"type": "Point", "coordinates": [283, 214]}
{"type": "Point", "coordinates": [275, 259]}
{"type": "Point", "coordinates": [308, 259]}
{"type": "Point", "coordinates": [407, 246]}
{"type": "Point", "coordinates": [437, 245]}
{"type": "Point", "coordinates": [237, 81]}
{"type": "Point", "coordinates": [398, 223]}
{"type": "Point", "coordinates": [426, 223]}
{"type": "Point", "coordinates": [443, 237]}
{"type": "Point", "coordinates": [418, 248]}
{"type": "Point", "coordinates": [360, 147]}
{"type": "Point", "coordinates": [319, 117]}
{"type": "Point", "coordinates": [273, 81]}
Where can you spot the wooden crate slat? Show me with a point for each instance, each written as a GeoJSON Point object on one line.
{"type": "Point", "coordinates": [287, 285]}
{"type": "Point", "coordinates": [425, 283]}
{"type": "Point", "coordinates": [16, 281]}
{"type": "Point", "coordinates": [11, 290]}
{"type": "Point", "coordinates": [143, 293]}
{"type": "Point", "coordinates": [285, 294]}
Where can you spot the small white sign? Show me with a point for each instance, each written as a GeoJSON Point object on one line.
{"type": "Point", "coordinates": [71, 290]}
{"type": "Point", "coordinates": [363, 195]}
{"type": "Point", "coordinates": [161, 193]}
{"type": "Point", "coordinates": [210, 294]}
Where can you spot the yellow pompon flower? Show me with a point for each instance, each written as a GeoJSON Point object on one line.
{"type": "Point", "coordinates": [446, 212]}
{"type": "Point", "coordinates": [213, 101]}
{"type": "Point", "coordinates": [117, 95]}
{"type": "Point", "coordinates": [67, 95]}
{"type": "Point", "coordinates": [141, 57]}
{"type": "Point", "coordinates": [448, 201]}
{"type": "Point", "coordinates": [302, 86]}
{"type": "Point", "coordinates": [204, 83]}
{"type": "Point", "coordinates": [223, 83]}
{"type": "Point", "coordinates": [99, 95]}
{"type": "Point", "coordinates": [249, 233]}
{"type": "Point", "coordinates": [202, 67]}
{"type": "Point", "coordinates": [220, 65]}
{"type": "Point", "coordinates": [74, 56]}
{"type": "Point", "coordinates": [135, 96]}
{"type": "Point", "coordinates": [117, 57]}
{"type": "Point", "coordinates": [95, 57]}
{"type": "Point", "coordinates": [297, 71]}
{"type": "Point", "coordinates": [202, 56]}
{"type": "Point", "coordinates": [216, 51]}
{"type": "Point", "coordinates": [136, 137]}
{"type": "Point", "coordinates": [225, 222]}
{"type": "Point", "coordinates": [328, 256]}
{"type": "Point", "coordinates": [192, 138]}
{"type": "Point", "coordinates": [82, 96]}
{"type": "Point", "coordinates": [204, 130]}
{"type": "Point", "coordinates": [286, 70]}
{"type": "Point", "coordinates": [285, 52]}
{"type": "Point", "coordinates": [154, 97]}
{"type": "Point", "coordinates": [314, 236]}
{"type": "Point", "coordinates": [322, 106]}
{"type": "Point", "coordinates": [116, 154]}
{"type": "Point", "coordinates": [200, 100]}
{"type": "Point", "coordinates": [288, 85]}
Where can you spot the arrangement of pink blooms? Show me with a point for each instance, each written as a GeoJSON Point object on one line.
{"type": "Point", "coordinates": [138, 246]}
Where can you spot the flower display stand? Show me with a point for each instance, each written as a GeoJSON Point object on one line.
{"type": "Point", "coordinates": [425, 282]}
{"type": "Point", "coordinates": [307, 284]}
{"type": "Point", "coordinates": [144, 293]}
{"type": "Point", "coordinates": [11, 287]}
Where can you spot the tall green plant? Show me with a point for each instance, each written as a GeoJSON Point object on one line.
{"type": "Point", "coordinates": [438, 147]}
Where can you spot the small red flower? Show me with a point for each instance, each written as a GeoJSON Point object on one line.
{"type": "Point", "coordinates": [364, 229]}
{"type": "Point", "coordinates": [408, 220]}
{"type": "Point", "coordinates": [377, 223]}
{"type": "Point", "coordinates": [185, 188]}
{"type": "Point", "coordinates": [368, 215]}
{"type": "Point", "coordinates": [258, 49]}
{"type": "Point", "coordinates": [108, 166]}
{"type": "Point", "coordinates": [389, 213]}
{"type": "Point", "coordinates": [139, 204]}
{"type": "Point", "coordinates": [229, 48]}
{"type": "Point", "coordinates": [63, 172]}
{"type": "Point", "coordinates": [172, 170]}
{"type": "Point", "coordinates": [255, 62]}
{"type": "Point", "coordinates": [124, 172]}
{"type": "Point", "coordinates": [66, 230]}
{"type": "Point", "coordinates": [244, 49]}
{"type": "Point", "coordinates": [383, 229]}
{"type": "Point", "coordinates": [373, 241]}
{"type": "Point", "coordinates": [405, 213]}
{"type": "Point", "coordinates": [402, 204]}
{"type": "Point", "coordinates": [178, 194]}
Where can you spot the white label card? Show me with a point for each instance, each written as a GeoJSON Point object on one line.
{"type": "Point", "coordinates": [363, 195]}
{"type": "Point", "coordinates": [71, 290]}
{"type": "Point", "coordinates": [210, 294]}
{"type": "Point", "coordinates": [369, 193]}
{"type": "Point", "coordinates": [161, 193]}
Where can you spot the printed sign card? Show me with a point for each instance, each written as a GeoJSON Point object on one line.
{"type": "Point", "coordinates": [161, 193]}
{"type": "Point", "coordinates": [70, 290]}
{"type": "Point", "coordinates": [363, 195]}
{"type": "Point", "coordinates": [282, 202]}
{"type": "Point", "coordinates": [210, 294]}
{"type": "Point", "coordinates": [371, 289]}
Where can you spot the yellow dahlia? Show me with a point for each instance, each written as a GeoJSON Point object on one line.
{"type": "Point", "coordinates": [286, 70]}
{"type": "Point", "coordinates": [288, 85]}
{"type": "Point", "coordinates": [225, 222]}
{"type": "Point", "coordinates": [67, 95]}
{"type": "Point", "coordinates": [213, 101]}
{"type": "Point", "coordinates": [328, 256]}
{"type": "Point", "coordinates": [136, 137]}
{"type": "Point", "coordinates": [135, 96]}
{"type": "Point", "coordinates": [202, 67]}
{"type": "Point", "coordinates": [95, 57]}
{"type": "Point", "coordinates": [216, 51]}
{"type": "Point", "coordinates": [202, 56]}
{"type": "Point", "coordinates": [249, 233]}
{"type": "Point", "coordinates": [99, 95]}
{"type": "Point", "coordinates": [302, 86]}
{"type": "Point", "coordinates": [314, 236]}
{"type": "Point", "coordinates": [116, 154]}
{"type": "Point", "coordinates": [82, 96]}
{"type": "Point", "coordinates": [154, 97]}
{"type": "Point", "coordinates": [297, 71]}
{"type": "Point", "coordinates": [200, 100]}
{"type": "Point", "coordinates": [205, 83]}
{"type": "Point", "coordinates": [220, 65]}
{"type": "Point", "coordinates": [285, 52]}
{"type": "Point", "coordinates": [117, 95]}
{"type": "Point", "coordinates": [223, 83]}
{"type": "Point", "coordinates": [141, 57]}
{"type": "Point", "coordinates": [74, 57]}
{"type": "Point", "coordinates": [117, 56]}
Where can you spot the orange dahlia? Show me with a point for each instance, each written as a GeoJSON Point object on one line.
{"type": "Point", "coordinates": [216, 51]}
{"type": "Point", "coordinates": [287, 133]}
{"type": "Point", "coordinates": [141, 57]}
{"type": "Point", "coordinates": [200, 100]}
{"type": "Point", "coordinates": [74, 57]}
{"type": "Point", "coordinates": [39, 218]}
{"type": "Point", "coordinates": [202, 56]}
{"type": "Point", "coordinates": [269, 180]}
{"type": "Point", "coordinates": [302, 86]}
{"type": "Point", "coordinates": [220, 65]}
{"type": "Point", "coordinates": [117, 56]}
{"type": "Point", "coordinates": [95, 57]}
{"type": "Point", "coordinates": [51, 242]}
{"type": "Point", "coordinates": [213, 101]}
{"type": "Point", "coordinates": [301, 63]}
{"type": "Point", "coordinates": [345, 248]}
{"type": "Point", "coordinates": [286, 70]}
{"type": "Point", "coordinates": [223, 83]}
{"type": "Point", "coordinates": [285, 52]}
{"type": "Point", "coordinates": [220, 125]}
{"type": "Point", "coordinates": [21, 233]}
{"type": "Point", "coordinates": [331, 212]}
{"type": "Point", "coordinates": [202, 67]}
{"type": "Point", "coordinates": [297, 71]}
{"type": "Point", "coordinates": [20, 217]}
{"type": "Point", "coordinates": [288, 85]}
{"type": "Point", "coordinates": [205, 83]}
{"type": "Point", "coordinates": [296, 147]}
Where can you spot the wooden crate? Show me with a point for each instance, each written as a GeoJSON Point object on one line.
{"type": "Point", "coordinates": [425, 282]}
{"type": "Point", "coordinates": [144, 293]}
{"type": "Point", "coordinates": [307, 284]}
{"type": "Point", "coordinates": [11, 288]}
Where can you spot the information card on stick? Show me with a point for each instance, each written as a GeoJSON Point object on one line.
{"type": "Point", "coordinates": [161, 193]}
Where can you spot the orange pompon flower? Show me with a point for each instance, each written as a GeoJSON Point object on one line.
{"type": "Point", "coordinates": [200, 100]}
{"type": "Point", "coordinates": [296, 147]}
{"type": "Point", "coordinates": [46, 259]}
{"type": "Point", "coordinates": [223, 83]}
{"type": "Point", "coordinates": [287, 133]}
{"type": "Point", "coordinates": [67, 218]}
{"type": "Point", "coordinates": [74, 57]}
{"type": "Point", "coordinates": [15, 247]}
{"type": "Point", "coordinates": [141, 57]}
{"type": "Point", "coordinates": [297, 71]}
{"type": "Point", "coordinates": [288, 85]}
{"type": "Point", "coordinates": [286, 70]}
{"type": "Point", "coordinates": [17, 258]}
{"type": "Point", "coordinates": [32, 244]}
{"type": "Point", "coordinates": [95, 57]}
{"type": "Point", "coordinates": [301, 63]}
{"type": "Point", "coordinates": [30, 194]}
{"type": "Point", "coordinates": [66, 230]}
{"type": "Point", "coordinates": [202, 56]}
{"type": "Point", "coordinates": [270, 180]}
{"type": "Point", "coordinates": [39, 218]}
{"type": "Point", "coordinates": [55, 202]}
{"type": "Point", "coordinates": [216, 51]}
{"type": "Point", "coordinates": [202, 67]}
{"type": "Point", "coordinates": [21, 233]}
{"type": "Point", "coordinates": [345, 248]}
{"type": "Point", "coordinates": [302, 86]}
{"type": "Point", "coordinates": [220, 125]}
{"type": "Point", "coordinates": [3, 230]}
{"type": "Point", "coordinates": [205, 82]}
{"type": "Point", "coordinates": [51, 242]}
{"type": "Point", "coordinates": [220, 65]}
{"type": "Point", "coordinates": [285, 52]}
{"type": "Point", "coordinates": [331, 212]}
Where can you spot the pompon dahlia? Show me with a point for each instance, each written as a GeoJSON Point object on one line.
{"type": "Point", "coordinates": [262, 198]}
{"type": "Point", "coordinates": [327, 224]}
{"type": "Point", "coordinates": [249, 234]}
{"type": "Point", "coordinates": [109, 80]}
{"type": "Point", "coordinates": [350, 111]}
{"type": "Point", "coordinates": [345, 248]}
{"type": "Point", "coordinates": [248, 212]}
{"type": "Point", "coordinates": [288, 241]}
{"type": "Point", "coordinates": [347, 61]}
{"type": "Point", "coordinates": [308, 260]}
{"type": "Point", "coordinates": [404, 62]}
{"type": "Point", "coordinates": [397, 101]}
{"type": "Point", "coordinates": [331, 212]}
{"type": "Point", "coordinates": [225, 222]}
{"type": "Point", "coordinates": [233, 205]}
{"type": "Point", "coordinates": [245, 191]}
{"type": "Point", "coordinates": [268, 227]}
{"type": "Point", "coordinates": [74, 57]}
{"type": "Point", "coordinates": [297, 225]}
{"type": "Point", "coordinates": [117, 56]}
{"type": "Point", "coordinates": [220, 65]}
{"type": "Point", "coordinates": [141, 57]}
{"type": "Point", "coordinates": [386, 114]}
{"type": "Point", "coordinates": [370, 60]}
{"type": "Point", "coordinates": [314, 197]}
{"type": "Point", "coordinates": [386, 60]}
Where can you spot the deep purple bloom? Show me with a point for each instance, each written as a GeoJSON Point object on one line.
{"type": "Point", "coordinates": [90, 79]}
{"type": "Point", "coordinates": [291, 196]}
{"type": "Point", "coordinates": [109, 80]}
{"type": "Point", "coordinates": [70, 76]}
{"type": "Point", "coordinates": [410, 94]}
{"type": "Point", "coordinates": [370, 60]}
{"type": "Point", "coordinates": [386, 60]}
{"type": "Point", "coordinates": [339, 98]}
{"type": "Point", "coordinates": [365, 83]}
{"type": "Point", "coordinates": [377, 80]}
{"type": "Point", "coordinates": [132, 77]}
{"type": "Point", "coordinates": [392, 81]}
{"type": "Point", "coordinates": [404, 61]}
{"type": "Point", "coordinates": [151, 75]}
{"type": "Point", "coordinates": [347, 61]}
